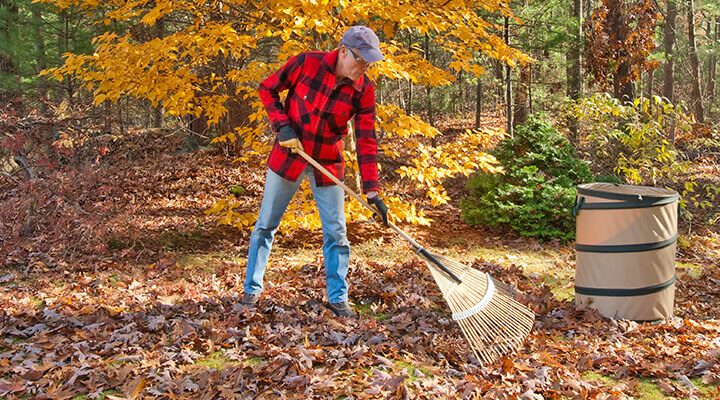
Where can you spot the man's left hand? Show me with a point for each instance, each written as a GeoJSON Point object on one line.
{"type": "Point", "coordinates": [381, 207]}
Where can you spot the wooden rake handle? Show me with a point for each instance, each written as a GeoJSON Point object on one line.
{"type": "Point", "coordinates": [357, 197]}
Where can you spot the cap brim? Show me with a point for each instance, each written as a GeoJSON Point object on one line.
{"type": "Point", "coordinates": [371, 55]}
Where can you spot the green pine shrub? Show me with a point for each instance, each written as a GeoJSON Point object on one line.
{"type": "Point", "coordinates": [536, 193]}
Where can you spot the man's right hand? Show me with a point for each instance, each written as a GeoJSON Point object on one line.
{"type": "Point", "coordinates": [288, 138]}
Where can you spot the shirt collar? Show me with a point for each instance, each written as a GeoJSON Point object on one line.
{"type": "Point", "coordinates": [330, 61]}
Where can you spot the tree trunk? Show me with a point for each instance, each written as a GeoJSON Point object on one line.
{"type": "Point", "coordinates": [649, 85]}
{"type": "Point", "coordinates": [408, 109]}
{"type": "Point", "coordinates": [623, 88]}
{"type": "Point", "coordinates": [522, 97]}
{"type": "Point", "coordinates": [575, 66]}
{"type": "Point", "coordinates": [458, 106]}
{"type": "Point", "coordinates": [428, 88]}
{"type": "Point", "coordinates": [575, 54]}
{"type": "Point", "coordinates": [478, 102]}
{"type": "Point", "coordinates": [529, 89]}
{"type": "Point", "coordinates": [40, 54]}
{"type": "Point", "coordinates": [588, 8]}
{"type": "Point", "coordinates": [199, 128]}
{"type": "Point", "coordinates": [64, 47]}
{"type": "Point", "coordinates": [121, 116]}
{"type": "Point", "coordinates": [694, 66]}
{"type": "Point", "coordinates": [508, 84]}
{"type": "Point", "coordinates": [158, 111]}
{"type": "Point", "coordinates": [712, 64]}
{"type": "Point", "coordinates": [500, 87]}
{"type": "Point", "coordinates": [668, 45]}
{"type": "Point", "coordinates": [380, 85]}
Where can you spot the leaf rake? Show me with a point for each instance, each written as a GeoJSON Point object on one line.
{"type": "Point", "coordinates": [493, 322]}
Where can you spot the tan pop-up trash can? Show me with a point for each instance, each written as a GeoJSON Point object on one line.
{"type": "Point", "coordinates": [625, 247]}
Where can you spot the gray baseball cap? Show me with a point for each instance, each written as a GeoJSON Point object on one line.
{"type": "Point", "coordinates": [365, 41]}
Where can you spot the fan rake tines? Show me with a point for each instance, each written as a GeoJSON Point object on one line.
{"type": "Point", "coordinates": [493, 322]}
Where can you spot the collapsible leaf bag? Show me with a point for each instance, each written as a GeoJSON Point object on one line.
{"type": "Point", "coordinates": [625, 247]}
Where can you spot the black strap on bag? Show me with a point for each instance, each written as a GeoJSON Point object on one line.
{"type": "Point", "coordinates": [588, 291]}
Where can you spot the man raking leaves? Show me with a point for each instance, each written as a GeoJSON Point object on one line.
{"type": "Point", "coordinates": [325, 90]}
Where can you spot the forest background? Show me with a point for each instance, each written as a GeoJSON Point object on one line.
{"type": "Point", "coordinates": [132, 154]}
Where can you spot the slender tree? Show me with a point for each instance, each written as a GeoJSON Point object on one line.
{"type": "Point", "coordinates": [428, 88]}
{"type": "Point", "coordinates": [713, 30]}
{"type": "Point", "coordinates": [649, 84]}
{"type": "Point", "coordinates": [409, 107]}
{"type": "Point", "coordinates": [696, 100]}
{"type": "Point", "coordinates": [40, 50]}
{"type": "Point", "coordinates": [157, 110]}
{"type": "Point", "coordinates": [508, 82]}
{"type": "Point", "coordinates": [522, 96]}
{"type": "Point", "coordinates": [575, 63]}
{"type": "Point", "coordinates": [478, 102]}
{"type": "Point", "coordinates": [63, 48]}
{"type": "Point", "coordinates": [499, 73]}
{"type": "Point", "coordinates": [668, 47]}
{"type": "Point", "coordinates": [575, 53]}
{"type": "Point", "coordinates": [623, 87]}
{"type": "Point", "coordinates": [460, 99]}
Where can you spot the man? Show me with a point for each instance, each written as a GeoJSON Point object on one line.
{"type": "Point", "coordinates": [325, 90]}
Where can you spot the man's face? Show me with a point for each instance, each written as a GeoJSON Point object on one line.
{"type": "Point", "coordinates": [355, 65]}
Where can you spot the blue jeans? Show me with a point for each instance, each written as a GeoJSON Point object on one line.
{"type": "Point", "coordinates": [330, 201]}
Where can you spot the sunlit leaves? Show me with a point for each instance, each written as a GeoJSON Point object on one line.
{"type": "Point", "coordinates": [215, 52]}
{"type": "Point", "coordinates": [435, 164]}
{"type": "Point", "coordinates": [171, 71]}
{"type": "Point", "coordinates": [631, 138]}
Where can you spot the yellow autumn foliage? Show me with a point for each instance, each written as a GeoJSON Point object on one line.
{"type": "Point", "coordinates": [215, 52]}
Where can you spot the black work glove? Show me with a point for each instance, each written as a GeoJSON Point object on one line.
{"type": "Point", "coordinates": [381, 207]}
{"type": "Point", "coordinates": [288, 138]}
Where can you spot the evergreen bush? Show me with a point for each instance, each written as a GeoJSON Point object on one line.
{"type": "Point", "coordinates": [536, 193]}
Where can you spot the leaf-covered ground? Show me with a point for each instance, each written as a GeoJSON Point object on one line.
{"type": "Point", "coordinates": [114, 284]}
{"type": "Point", "coordinates": [164, 330]}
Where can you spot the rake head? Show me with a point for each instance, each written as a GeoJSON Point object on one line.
{"type": "Point", "coordinates": [493, 322]}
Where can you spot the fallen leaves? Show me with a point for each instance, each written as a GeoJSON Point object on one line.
{"type": "Point", "coordinates": [202, 345]}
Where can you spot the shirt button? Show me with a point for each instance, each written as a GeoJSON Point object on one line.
{"type": "Point", "coordinates": [305, 97]}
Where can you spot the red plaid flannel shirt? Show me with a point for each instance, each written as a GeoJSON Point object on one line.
{"type": "Point", "coordinates": [318, 107]}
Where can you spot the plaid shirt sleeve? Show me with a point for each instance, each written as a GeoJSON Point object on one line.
{"type": "Point", "coordinates": [272, 86]}
{"type": "Point", "coordinates": [365, 139]}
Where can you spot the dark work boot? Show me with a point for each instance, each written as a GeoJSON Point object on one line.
{"type": "Point", "coordinates": [250, 299]}
{"type": "Point", "coordinates": [342, 309]}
